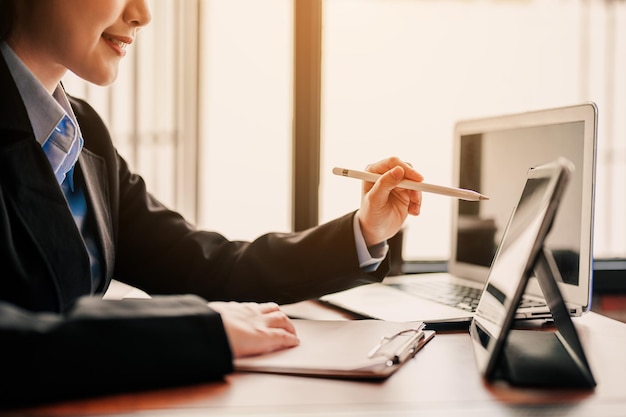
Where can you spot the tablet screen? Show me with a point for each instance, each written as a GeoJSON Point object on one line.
{"type": "Point", "coordinates": [522, 239]}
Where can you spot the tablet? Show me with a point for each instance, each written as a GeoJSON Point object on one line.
{"type": "Point", "coordinates": [527, 357]}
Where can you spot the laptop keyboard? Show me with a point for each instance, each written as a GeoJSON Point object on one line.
{"type": "Point", "coordinates": [459, 296]}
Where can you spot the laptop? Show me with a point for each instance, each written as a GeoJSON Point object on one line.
{"type": "Point", "coordinates": [492, 156]}
{"type": "Point", "coordinates": [529, 357]}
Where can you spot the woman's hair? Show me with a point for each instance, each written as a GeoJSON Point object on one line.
{"type": "Point", "coordinates": [7, 12]}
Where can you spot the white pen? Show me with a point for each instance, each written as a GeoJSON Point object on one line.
{"type": "Point", "coordinates": [459, 193]}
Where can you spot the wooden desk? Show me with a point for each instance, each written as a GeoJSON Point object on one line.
{"type": "Point", "coordinates": [441, 380]}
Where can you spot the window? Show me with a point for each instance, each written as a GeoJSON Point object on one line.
{"type": "Point", "coordinates": [246, 66]}
{"type": "Point", "coordinates": [397, 74]}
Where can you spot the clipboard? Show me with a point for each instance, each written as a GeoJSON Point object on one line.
{"type": "Point", "coordinates": [359, 349]}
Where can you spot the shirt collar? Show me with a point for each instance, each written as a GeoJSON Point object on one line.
{"type": "Point", "coordinates": [44, 110]}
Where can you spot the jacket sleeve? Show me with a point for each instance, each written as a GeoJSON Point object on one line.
{"type": "Point", "coordinates": [279, 267]}
{"type": "Point", "coordinates": [157, 250]}
{"type": "Point", "coordinates": [106, 346]}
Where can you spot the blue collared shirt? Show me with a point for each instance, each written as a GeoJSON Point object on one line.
{"type": "Point", "coordinates": [45, 111]}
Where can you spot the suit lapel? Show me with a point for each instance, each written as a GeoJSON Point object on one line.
{"type": "Point", "coordinates": [94, 174]}
{"type": "Point", "coordinates": [31, 192]}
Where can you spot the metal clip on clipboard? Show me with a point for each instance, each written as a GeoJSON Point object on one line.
{"type": "Point", "coordinates": [398, 347]}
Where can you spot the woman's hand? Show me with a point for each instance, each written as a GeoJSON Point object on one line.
{"type": "Point", "coordinates": [384, 208]}
{"type": "Point", "coordinates": [254, 328]}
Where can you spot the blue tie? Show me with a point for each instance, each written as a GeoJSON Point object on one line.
{"type": "Point", "coordinates": [62, 149]}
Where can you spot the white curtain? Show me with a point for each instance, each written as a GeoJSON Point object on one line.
{"type": "Point", "coordinates": [152, 107]}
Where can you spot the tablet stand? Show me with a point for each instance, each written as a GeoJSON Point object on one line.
{"type": "Point", "coordinates": [545, 358]}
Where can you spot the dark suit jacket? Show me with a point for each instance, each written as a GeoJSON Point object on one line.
{"type": "Point", "coordinates": [57, 342]}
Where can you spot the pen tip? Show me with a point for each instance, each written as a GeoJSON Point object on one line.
{"type": "Point", "coordinates": [483, 197]}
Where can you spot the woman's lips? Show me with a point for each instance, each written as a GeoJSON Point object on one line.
{"type": "Point", "coordinates": [117, 43]}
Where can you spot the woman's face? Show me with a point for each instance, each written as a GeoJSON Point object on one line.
{"type": "Point", "coordinates": [87, 37]}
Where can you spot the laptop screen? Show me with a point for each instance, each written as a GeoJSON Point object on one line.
{"type": "Point", "coordinates": [492, 156]}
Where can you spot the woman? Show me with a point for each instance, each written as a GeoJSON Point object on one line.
{"type": "Point", "coordinates": [73, 216]}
